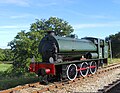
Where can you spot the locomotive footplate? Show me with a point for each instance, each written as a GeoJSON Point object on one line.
{"type": "Point", "coordinates": [76, 61]}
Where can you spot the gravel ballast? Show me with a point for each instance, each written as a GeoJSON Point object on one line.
{"type": "Point", "coordinates": [91, 84]}
{"type": "Point", "coordinates": [88, 84]}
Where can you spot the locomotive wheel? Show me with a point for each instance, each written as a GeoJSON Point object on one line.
{"type": "Point", "coordinates": [93, 67]}
{"type": "Point", "coordinates": [84, 69]}
{"type": "Point", "coordinates": [43, 79]}
{"type": "Point", "coordinates": [71, 71]}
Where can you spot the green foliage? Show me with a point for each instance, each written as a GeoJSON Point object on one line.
{"type": "Point", "coordinates": [25, 44]}
{"type": "Point", "coordinates": [115, 41]}
{"type": "Point", "coordinates": [4, 67]}
{"type": "Point", "coordinates": [9, 82]}
{"type": "Point", "coordinates": [114, 60]}
{"type": "Point", "coordinates": [61, 27]}
{"type": "Point", "coordinates": [6, 55]}
{"type": "Point", "coordinates": [2, 55]}
{"type": "Point", "coordinates": [10, 78]}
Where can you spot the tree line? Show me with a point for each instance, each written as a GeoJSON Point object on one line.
{"type": "Point", "coordinates": [25, 44]}
{"type": "Point", "coordinates": [115, 43]}
{"type": "Point", "coordinates": [6, 55]}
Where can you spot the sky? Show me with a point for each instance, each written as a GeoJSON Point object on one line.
{"type": "Point", "coordinates": [92, 18]}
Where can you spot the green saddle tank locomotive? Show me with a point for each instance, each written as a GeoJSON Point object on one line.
{"type": "Point", "coordinates": [69, 57]}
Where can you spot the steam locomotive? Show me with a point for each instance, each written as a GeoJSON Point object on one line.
{"type": "Point", "coordinates": [69, 57]}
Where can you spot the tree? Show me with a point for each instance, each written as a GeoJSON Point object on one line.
{"type": "Point", "coordinates": [115, 41]}
{"type": "Point", "coordinates": [2, 55]}
{"type": "Point", "coordinates": [61, 27]}
{"type": "Point", "coordinates": [25, 44]}
{"type": "Point", "coordinates": [6, 55]}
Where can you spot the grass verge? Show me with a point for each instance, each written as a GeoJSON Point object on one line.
{"type": "Point", "coordinates": [15, 81]}
{"type": "Point", "coordinates": [4, 67]}
{"type": "Point", "coordinates": [114, 60]}
{"type": "Point", "coordinates": [10, 80]}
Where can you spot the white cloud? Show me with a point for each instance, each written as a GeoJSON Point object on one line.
{"type": "Point", "coordinates": [18, 16]}
{"type": "Point", "coordinates": [98, 16]}
{"type": "Point", "coordinates": [80, 26]}
{"type": "Point", "coordinates": [90, 16]}
{"type": "Point", "coordinates": [4, 46]}
{"type": "Point", "coordinates": [16, 2]}
{"type": "Point", "coordinates": [46, 4]}
{"type": "Point", "coordinates": [22, 16]}
{"type": "Point", "coordinates": [12, 27]}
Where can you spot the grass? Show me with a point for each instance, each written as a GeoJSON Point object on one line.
{"type": "Point", "coordinates": [4, 67]}
{"type": "Point", "coordinates": [15, 81]}
{"type": "Point", "coordinates": [7, 81]}
{"type": "Point", "coordinates": [114, 60]}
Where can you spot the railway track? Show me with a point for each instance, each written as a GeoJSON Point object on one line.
{"type": "Point", "coordinates": [38, 88]}
{"type": "Point", "coordinates": [112, 88]}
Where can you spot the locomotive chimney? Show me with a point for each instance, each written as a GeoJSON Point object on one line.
{"type": "Point", "coordinates": [52, 33]}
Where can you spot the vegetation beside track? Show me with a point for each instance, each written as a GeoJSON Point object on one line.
{"type": "Point", "coordinates": [114, 60]}
{"type": "Point", "coordinates": [10, 82]}
{"type": "Point", "coordinates": [9, 78]}
{"type": "Point", "coordinates": [4, 67]}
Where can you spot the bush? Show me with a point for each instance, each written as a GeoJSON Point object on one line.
{"type": "Point", "coordinates": [15, 81]}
